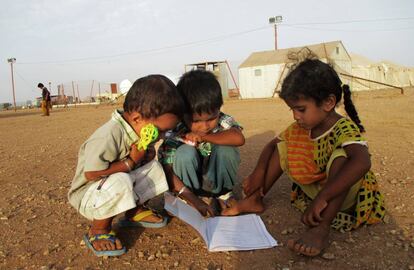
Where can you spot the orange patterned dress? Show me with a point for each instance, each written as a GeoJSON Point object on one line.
{"type": "Point", "coordinates": [306, 161]}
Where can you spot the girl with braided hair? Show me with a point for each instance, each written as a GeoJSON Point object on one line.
{"type": "Point", "coordinates": [324, 155]}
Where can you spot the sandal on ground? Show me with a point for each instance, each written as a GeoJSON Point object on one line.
{"type": "Point", "coordinates": [104, 236]}
{"type": "Point", "coordinates": [136, 221]}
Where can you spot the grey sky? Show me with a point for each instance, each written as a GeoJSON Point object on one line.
{"type": "Point", "coordinates": [108, 41]}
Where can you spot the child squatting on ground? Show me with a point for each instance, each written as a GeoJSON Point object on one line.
{"type": "Point", "coordinates": [201, 156]}
{"type": "Point", "coordinates": [116, 165]}
{"type": "Point", "coordinates": [324, 155]}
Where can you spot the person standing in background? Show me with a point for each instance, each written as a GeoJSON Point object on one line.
{"type": "Point", "coordinates": [46, 104]}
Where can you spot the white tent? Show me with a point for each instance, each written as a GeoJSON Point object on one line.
{"type": "Point", "coordinates": [384, 72]}
{"type": "Point", "coordinates": [262, 73]}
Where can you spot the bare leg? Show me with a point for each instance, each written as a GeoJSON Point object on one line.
{"type": "Point", "coordinates": [254, 202]}
{"type": "Point", "coordinates": [103, 226]}
{"type": "Point", "coordinates": [251, 204]}
{"type": "Point", "coordinates": [255, 180]}
{"type": "Point", "coordinates": [313, 241]}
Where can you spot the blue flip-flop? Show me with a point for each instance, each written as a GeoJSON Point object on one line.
{"type": "Point", "coordinates": [107, 236]}
{"type": "Point", "coordinates": [136, 221]}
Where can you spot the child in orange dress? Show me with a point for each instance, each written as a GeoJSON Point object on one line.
{"type": "Point", "coordinates": [324, 155]}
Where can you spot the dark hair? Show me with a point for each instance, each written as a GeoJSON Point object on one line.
{"type": "Point", "coordinates": [317, 80]}
{"type": "Point", "coordinates": [201, 92]}
{"type": "Point", "coordinates": [40, 85]}
{"type": "Point", "coordinates": [153, 96]}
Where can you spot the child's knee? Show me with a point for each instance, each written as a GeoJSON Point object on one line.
{"type": "Point", "coordinates": [118, 181]}
{"type": "Point", "coordinates": [227, 153]}
{"type": "Point", "coordinates": [186, 153]}
{"type": "Point", "coordinates": [108, 198]}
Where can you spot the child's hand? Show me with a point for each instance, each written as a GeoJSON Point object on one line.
{"type": "Point", "coordinates": [149, 153]}
{"type": "Point", "coordinates": [135, 154]}
{"type": "Point", "coordinates": [193, 137]}
{"type": "Point", "coordinates": [204, 208]}
{"type": "Point", "coordinates": [312, 215]}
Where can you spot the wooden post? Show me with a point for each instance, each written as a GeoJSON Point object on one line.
{"type": "Point", "coordinates": [73, 91]}
{"type": "Point", "coordinates": [359, 78]}
{"type": "Point", "coordinates": [275, 37]}
{"type": "Point", "coordinates": [234, 81]}
{"type": "Point", "coordinates": [326, 54]}
{"type": "Point", "coordinates": [93, 81]}
{"type": "Point", "coordinates": [77, 89]}
{"type": "Point", "coordinates": [280, 79]}
{"type": "Point", "coordinates": [11, 61]}
{"type": "Point", "coordinates": [99, 89]}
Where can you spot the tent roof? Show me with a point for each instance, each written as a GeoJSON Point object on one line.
{"type": "Point", "coordinates": [391, 64]}
{"type": "Point", "coordinates": [206, 63]}
{"type": "Point", "coordinates": [359, 60]}
{"type": "Point", "coordinates": [281, 56]}
{"type": "Point", "coordinates": [362, 61]}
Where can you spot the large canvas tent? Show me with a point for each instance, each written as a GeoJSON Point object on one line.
{"type": "Point", "coordinates": [379, 73]}
{"type": "Point", "coordinates": [262, 73]}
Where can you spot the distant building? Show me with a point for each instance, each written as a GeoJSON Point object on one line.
{"type": "Point", "coordinates": [219, 68]}
{"type": "Point", "coordinates": [113, 94]}
{"type": "Point", "coordinates": [5, 106]}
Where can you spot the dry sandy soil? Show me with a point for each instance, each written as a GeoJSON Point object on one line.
{"type": "Point", "coordinates": [39, 229]}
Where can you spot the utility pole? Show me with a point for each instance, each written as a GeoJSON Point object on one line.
{"type": "Point", "coordinates": [93, 81]}
{"type": "Point", "coordinates": [77, 90]}
{"type": "Point", "coordinates": [12, 61]}
{"type": "Point", "coordinates": [73, 91]}
{"type": "Point", "coordinates": [275, 20]}
{"type": "Point", "coordinates": [99, 89]}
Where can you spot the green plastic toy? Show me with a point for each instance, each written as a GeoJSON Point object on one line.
{"type": "Point", "coordinates": [148, 134]}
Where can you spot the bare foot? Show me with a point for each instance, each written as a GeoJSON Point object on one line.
{"type": "Point", "coordinates": [312, 242]}
{"type": "Point", "coordinates": [104, 244]}
{"type": "Point", "coordinates": [252, 183]}
{"type": "Point", "coordinates": [251, 204]}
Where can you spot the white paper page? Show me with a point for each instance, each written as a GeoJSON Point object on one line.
{"type": "Point", "coordinates": [245, 232]}
{"type": "Point", "coordinates": [186, 213]}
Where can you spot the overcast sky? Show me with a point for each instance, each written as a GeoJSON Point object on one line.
{"type": "Point", "coordinates": [108, 41]}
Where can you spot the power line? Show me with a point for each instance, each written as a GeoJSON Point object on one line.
{"type": "Point", "coordinates": [349, 30]}
{"type": "Point", "coordinates": [223, 37]}
{"type": "Point", "coordinates": [26, 82]}
{"type": "Point", "coordinates": [188, 44]}
{"type": "Point", "coordinates": [352, 21]}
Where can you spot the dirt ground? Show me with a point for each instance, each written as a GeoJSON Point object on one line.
{"type": "Point", "coordinates": [39, 229]}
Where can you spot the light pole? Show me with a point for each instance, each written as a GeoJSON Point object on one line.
{"type": "Point", "coordinates": [275, 20]}
{"type": "Point", "coordinates": [12, 61]}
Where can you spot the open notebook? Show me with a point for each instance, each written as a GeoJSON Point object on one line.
{"type": "Point", "coordinates": [246, 232]}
